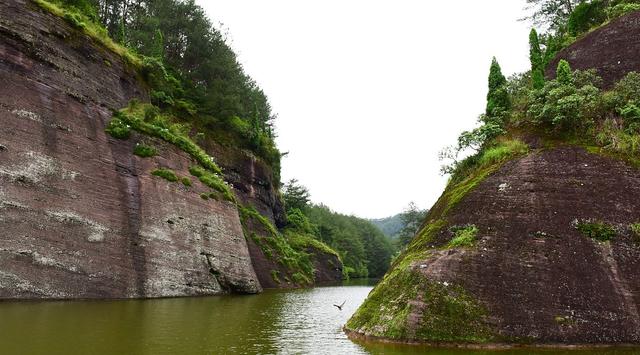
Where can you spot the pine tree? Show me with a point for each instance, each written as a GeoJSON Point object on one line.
{"type": "Point", "coordinates": [497, 98]}
{"type": "Point", "coordinates": [535, 55]}
{"type": "Point", "coordinates": [564, 74]}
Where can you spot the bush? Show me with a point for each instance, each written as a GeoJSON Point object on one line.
{"type": "Point", "coordinates": [596, 230]}
{"type": "Point", "coordinates": [622, 9]}
{"type": "Point", "coordinates": [213, 181]}
{"type": "Point", "coordinates": [166, 174]}
{"type": "Point", "coordinates": [118, 129]}
{"type": "Point", "coordinates": [186, 181]}
{"type": "Point", "coordinates": [464, 236]}
{"type": "Point", "coordinates": [144, 151]}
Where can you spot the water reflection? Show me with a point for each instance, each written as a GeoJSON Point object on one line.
{"type": "Point", "coordinates": [275, 322]}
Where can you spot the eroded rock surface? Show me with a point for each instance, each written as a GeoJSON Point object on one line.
{"type": "Point", "coordinates": [532, 276]}
{"type": "Point", "coordinates": [80, 215]}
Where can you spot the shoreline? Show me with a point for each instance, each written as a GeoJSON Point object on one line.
{"type": "Point", "coordinates": [359, 337]}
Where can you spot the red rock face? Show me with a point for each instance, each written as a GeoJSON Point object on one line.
{"type": "Point", "coordinates": [539, 278]}
{"type": "Point", "coordinates": [612, 50]}
{"type": "Point", "coordinates": [80, 215]}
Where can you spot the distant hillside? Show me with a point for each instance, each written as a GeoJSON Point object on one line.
{"type": "Point", "coordinates": [390, 226]}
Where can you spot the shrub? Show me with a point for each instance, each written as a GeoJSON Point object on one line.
{"type": "Point", "coordinates": [635, 229]}
{"type": "Point", "coordinates": [464, 236]}
{"type": "Point", "coordinates": [204, 196]}
{"type": "Point", "coordinates": [186, 181]}
{"type": "Point", "coordinates": [144, 151]}
{"type": "Point", "coordinates": [118, 129]}
{"type": "Point", "coordinates": [166, 174]}
{"type": "Point", "coordinates": [213, 181]}
{"type": "Point", "coordinates": [622, 9]}
{"type": "Point", "coordinates": [595, 230]}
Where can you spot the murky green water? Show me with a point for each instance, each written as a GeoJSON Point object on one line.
{"type": "Point", "coordinates": [275, 322]}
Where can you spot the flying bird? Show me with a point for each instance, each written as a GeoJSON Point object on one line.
{"type": "Point", "coordinates": [340, 306]}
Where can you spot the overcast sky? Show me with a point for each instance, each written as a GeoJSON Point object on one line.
{"type": "Point", "coordinates": [367, 92]}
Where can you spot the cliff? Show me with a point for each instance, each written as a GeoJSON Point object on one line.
{"type": "Point", "coordinates": [81, 216]}
{"type": "Point", "coordinates": [537, 246]}
{"type": "Point", "coordinates": [612, 50]}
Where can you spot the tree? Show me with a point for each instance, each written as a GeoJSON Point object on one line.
{"type": "Point", "coordinates": [412, 217]}
{"type": "Point", "coordinates": [497, 97]}
{"type": "Point", "coordinates": [537, 65]}
{"type": "Point", "coordinates": [295, 196]}
{"type": "Point", "coordinates": [564, 75]}
{"type": "Point", "coordinates": [553, 13]}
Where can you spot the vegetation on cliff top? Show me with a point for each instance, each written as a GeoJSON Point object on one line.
{"type": "Point", "coordinates": [193, 74]}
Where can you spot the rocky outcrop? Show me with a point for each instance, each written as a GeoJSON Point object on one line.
{"type": "Point", "coordinates": [80, 215]}
{"type": "Point", "coordinates": [612, 50]}
{"type": "Point", "coordinates": [531, 276]}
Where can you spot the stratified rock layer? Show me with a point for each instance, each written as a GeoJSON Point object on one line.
{"type": "Point", "coordinates": [80, 215]}
{"type": "Point", "coordinates": [534, 275]}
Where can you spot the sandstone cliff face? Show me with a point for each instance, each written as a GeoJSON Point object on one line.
{"type": "Point", "coordinates": [80, 215]}
{"type": "Point", "coordinates": [531, 276]}
{"type": "Point", "coordinates": [612, 50]}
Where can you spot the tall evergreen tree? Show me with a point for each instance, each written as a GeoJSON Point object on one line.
{"type": "Point", "coordinates": [535, 55]}
{"type": "Point", "coordinates": [497, 97]}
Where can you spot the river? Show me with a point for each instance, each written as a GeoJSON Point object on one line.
{"type": "Point", "coordinates": [274, 322]}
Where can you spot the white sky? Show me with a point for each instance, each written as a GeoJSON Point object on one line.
{"type": "Point", "coordinates": [367, 92]}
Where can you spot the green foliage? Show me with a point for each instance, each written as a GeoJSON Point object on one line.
{"type": "Point", "coordinates": [298, 221]}
{"type": "Point", "coordinates": [144, 151]}
{"type": "Point", "coordinates": [535, 56]}
{"type": "Point", "coordinates": [166, 174]}
{"type": "Point", "coordinates": [497, 97]}
{"type": "Point", "coordinates": [364, 250]}
{"type": "Point", "coordinates": [585, 16]}
{"type": "Point", "coordinates": [463, 236]}
{"type": "Point", "coordinates": [275, 276]}
{"type": "Point", "coordinates": [186, 181]}
{"type": "Point", "coordinates": [635, 230]}
{"type": "Point", "coordinates": [596, 230]}
{"type": "Point", "coordinates": [145, 118]}
{"type": "Point", "coordinates": [212, 180]}
{"type": "Point", "coordinates": [450, 313]}
{"type": "Point", "coordinates": [279, 248]}
{"type": "Point", "coordinates": [623, 9]}
{"type": "Point", "coordinates": [564, 74]}
{"type": "Point", "coordinates": [82, 15]}
{"type": "Point", "coordinates": [295, 195]}
{"type": "Point", "coordinates": [412, 218]}
{"type": "Point", "coordinates": [118, 129]}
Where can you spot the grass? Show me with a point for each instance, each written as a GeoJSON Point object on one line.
{"type": "Point", "coordinates": [275, 277]}
{"type": "Point", "coordinates": [92, 29]}
{"type": "Point", "coordinates": [635, 230]}
{"type": "Point", "coordinates": [303, 241]}
{"type": "Point", "coordinates": [145, 118]}
{"type": "Point", "coordinates": [213, 181]}
{"type": "Point", "coordinates": [144, 151]}
{"type": "Point", "coordinates": [463, 236]}
{"type": "Point", "coordinates": [279, 248]}
{"type": "Point", "coordinates": [166, 174]}
{"type": "Point", "coordinates": [597, 230]}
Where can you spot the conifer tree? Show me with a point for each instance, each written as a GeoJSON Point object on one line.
{"type": "Point", "coordinates": [535, 55]}
{"type": "Point", "coordinates": [564, 74]}
{"type": "Point", "coordinates": [497, 98]}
